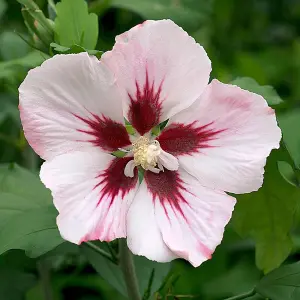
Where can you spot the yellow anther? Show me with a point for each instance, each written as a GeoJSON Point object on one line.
{"type": "Point", "coordinates": [145, 152]}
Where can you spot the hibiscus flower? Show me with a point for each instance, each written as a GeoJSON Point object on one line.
{"type": "Point", "coordinates": [167, 194]}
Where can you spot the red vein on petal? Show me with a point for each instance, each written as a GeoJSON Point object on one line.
{"type": "Point", "coordinates": [113, 186]}
{"type": "Point", "coordinates": [113, 181]}
{"type": "Point", "coordinates": [106, 133]}
{"type": "Point", "coordinates": [145, 106]}
{"type": "Point", "coordinates": [167, 187]}
{"type": "Point", "coordinates": [184, 139]}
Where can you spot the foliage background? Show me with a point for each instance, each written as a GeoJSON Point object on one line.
{"type": "Point", "coordinates": [254, 38]}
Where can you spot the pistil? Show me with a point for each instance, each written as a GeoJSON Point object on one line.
{"type": "Point", "coordinates": [145, 153]}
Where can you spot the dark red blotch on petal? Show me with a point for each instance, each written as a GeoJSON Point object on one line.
{"type": "Point", "coordinates": [106, 133]}
{"type": "Point", "coordinates": [114, 182]}
{"type": "Point", "coordinates": [145, 107]}
{"type": "Point", "coordinates": [167, 187]}
{"type": "Point", "coordinates": [180, 139]}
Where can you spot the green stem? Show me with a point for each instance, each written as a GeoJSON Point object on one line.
{"type": "Point", "coordinates": [242, 296]}
{"type": "Point", "coordinates": [44, 273]}
{"type": "Point", "coordinates": [128, 269]}
{"type": "Point", "coordinates": [101, 252]}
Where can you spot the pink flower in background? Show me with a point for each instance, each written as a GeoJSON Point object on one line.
{"type": "Point", "coordinates": [217, 139]}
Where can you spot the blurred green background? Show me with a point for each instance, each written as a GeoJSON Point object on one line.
{"type": "Point", "coordinates": [253, 38]}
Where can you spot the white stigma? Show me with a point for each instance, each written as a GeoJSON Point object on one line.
{"type": "Point", "coordinates": [149, 155]}
{"type": "Point", "coordinates": [145, 153]}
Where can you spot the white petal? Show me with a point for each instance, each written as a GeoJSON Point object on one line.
{"type": "Point", "coordinates": [191, 218]}
{"type": "Point", "coordinates": [143, 235]}
{"type": "Point", "coordinates": [63, 102]}
{"type": "Point", "coordinates": [160, 67]}
{"type": "Point", "coordinates": [88, 191]}
{"type": "Point", "coordinates": [169, 161]}
{"type": "Point", "coordinates": [224, 138]}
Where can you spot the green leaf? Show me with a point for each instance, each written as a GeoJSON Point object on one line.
{"type": "Point", "coordinates": [130, 129]}
{"type": "Point", "coordinates": [267, 91]}
{"type": "Point", "coordinates": [267, 215]}
{"type": "Point", "coordinates": [41, 36]}
{"type": "Point", "coordinates": [12, 205]}
{"type": "Point", "coordinates": [281, 284]}
{"type": "Point", "coordinates": [12, 46]}
{"type": "Point", "coordinates": [60, 48]}
{"type": "Point", "coordinates": [185, 279]}
{"type": "Point", "coordinates": [156, 130]}
{"type": "Point", "coordinates": [119, 153]}
{"type": "Point", "coordinates": [8, 109]}
{"type": "Point", "coordinates": [27, 215]}
{"type": "Point", "coordinates": [31, 60]}
{"type": "Point", "coordinates": [74, 49]}
{"type": "Point", "coordinates": [113, 275]}
{"type": "Point", "coordinates": [17, 259]}
{"type": "Point", "coordinates": [33, 230]}
{"type": "Point", "coordinates": [256, 297]}
{"type": "Point", "coordinates": [189, 14]}
{"type": "Point", "coordinates": [38, 25]}
{"type": "Point", "coordinates": [14, 284]}
{"type": "Point", "coordinates": [279, 243]}
{"type": "Point", "coordinates": [289, 123]}
{"type": "Point", "coordinates": [29, 185]}
{"type": "Point", "coordinates": [238, 279]}
{"type": "Point", "coordinates": [99, 6]}
{"type": "Point", "coordinates": [38, 15]}
{"type": "Point", "coordinates": [288, 173]}
{"type": "Point", "coordinates": [74, 25]}
{"type": "Point", "coordinates": [3, 7]}
{"type": "Point", "coordinates": [144, 269]}
{"type": "Point", "coordinates": [107, 270]}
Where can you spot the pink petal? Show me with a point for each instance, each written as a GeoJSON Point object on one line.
{"type": "Point", "coordinates": [71, 103]}
{"type": "Point", "coordinates": [160, 71]}
{"type": "Point", "coordinates": [143, 233]}
{"type": "Point", "coordinates": [91, 193]}
{"type": "Point", "coordinates": [224, 138]}
{"type": "Point", "coordinates": [187, 218]}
